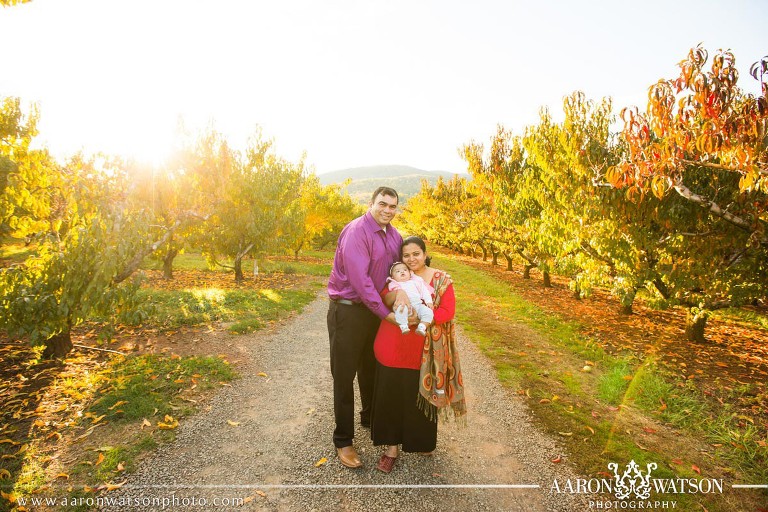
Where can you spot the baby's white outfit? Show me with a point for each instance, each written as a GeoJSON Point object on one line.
{"type": "Point", "coordinates": [417, 291]}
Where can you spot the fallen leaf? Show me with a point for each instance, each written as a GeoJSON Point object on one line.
{"type": "Point", "coordinates": [118, 404]}
{"type": "Point", "coordinates": [262, 374]}
{"type": "Point", "coordinates": [11, 441]}
{"type": "Point", "coordinates": [4, 474]}
{"type": "Point", "coordinates": [248, 499]}
{"type": "Point", "coordinates": [565, 433]}
{"type": "Point", "coordinates": [100, 458]}
{"type": "Point", "coordinates": [111, 487]}
{"type": "Point", "coordinates": [63, 476]}
{"type": "Point", "coordinates": [262, 494]}
{"type": "Point", "coordinates": [321, 462]}
{"type": "Point", "coordinates": [627, 377]}
{"type": "Point", "coordinates": [57, 435]}
{"type": "Point", "coordinates": [590, 429]}
{"type": "Point", "coordinates": [696, 468]}
{"type": "Point", "coordinates": [120, 466]}
{"type": "Point", "coordinates": [676, 461]}
{"type": "Point", "coordinates": [649, 430]}
{"type": "Point", "coordinates": [23, 448]}
{"type": "Point", "coordinates": [595, 414]}
{"type": "Point", "coordinates": [168, 424]}
{"type": "Point", "coordinates": [11, 498]}
{"type": "Point", "coordinates": [663, 405]}
{"type": "Point", "coordinates": [233, 423]}
{"type": "Point", "coordinates": [545, 401]}
{"type": "Point", "coordinates": [557, 459]}
{"type": "Point", "coordinates": [145, 423]}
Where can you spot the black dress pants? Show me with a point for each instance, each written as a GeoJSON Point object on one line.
{"type": "Point", "coordinates": [351, 330]}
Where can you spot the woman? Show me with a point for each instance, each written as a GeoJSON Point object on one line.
{"type": "Point", "coordinates": [406, 392]}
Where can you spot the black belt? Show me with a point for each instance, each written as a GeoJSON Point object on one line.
{"type": "Point", "coordinates": [346, 302]}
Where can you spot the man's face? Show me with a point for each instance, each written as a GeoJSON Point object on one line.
{"type": "Point", "coordinates": [383, 209]}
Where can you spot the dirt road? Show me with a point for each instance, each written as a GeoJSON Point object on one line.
{"type": "Point", "coordinates": [263, 440]}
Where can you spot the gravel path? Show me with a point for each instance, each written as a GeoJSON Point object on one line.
{"type": "Point", "coordinates": [285, 426]}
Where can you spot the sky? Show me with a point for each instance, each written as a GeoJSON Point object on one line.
{"type": "Point", "coordinates": [347, 83]}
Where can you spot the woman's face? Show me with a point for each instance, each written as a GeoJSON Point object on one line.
{"type": "Point", "coordinates": [414, 257]}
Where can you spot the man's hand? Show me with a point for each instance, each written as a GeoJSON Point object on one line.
{"type": "Point", "coordinates": [402, 300]}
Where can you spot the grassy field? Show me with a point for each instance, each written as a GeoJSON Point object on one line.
{"type": "Point", "coordinates": [80, 426]}
{"type": "Point", "coordinates": [606, 404]}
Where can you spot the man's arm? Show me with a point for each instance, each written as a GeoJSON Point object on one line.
{"type": "Point", "coordinates": [356, 255]}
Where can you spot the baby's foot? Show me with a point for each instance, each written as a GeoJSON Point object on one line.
{"type": "Point", "coordinates": [421, 330]}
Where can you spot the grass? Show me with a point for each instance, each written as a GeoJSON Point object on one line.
{"type": "Point", "coordinates": [13, 250]}
{"type": "Point", "coordinates": [742, 316]}
{"type": "Point", "coordinates": [599, 413]}
{"type": "Point", "coordinates": [312, 263]}
{"type": "Point", "coordinates": [145, 386]}
{"type": "Point", "coordinates": [249, 309]}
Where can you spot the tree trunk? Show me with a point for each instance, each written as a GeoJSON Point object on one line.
{"type": "Point", "coordinates": [694, 326]}
{"type": "Point", "coordinates": [239, 278]}
{"type": "Point", "coordinates": [460, 250]}
{"type": "Point", "coordinates": [509, 262]}
{"type": "Point", "coordinates": [626, 302]}
{"type": "Point", "coordinates": [485, 252]}
{"type": "Point", "coordinates": [495, 259]}
{"type": "Point", "coordinates": [297, 250]}
{"type": "Point", "coordinates": [547, 280]}
{"type": "Point", "coordinates": [58, 345]}
{"type": "Point", "coordinates": [577, 292]}
{"type": "Point", "coordinates": [527, 271]}
{"type": "Point", "coordinates": [168, 263]}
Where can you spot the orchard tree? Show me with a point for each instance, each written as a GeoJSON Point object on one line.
{"type": "Point", "coordinates": [28, 177]}
{"type": "Point", "coordinates": [324, 210]}
{"type": "Point", "coordinates": [259, 210]}
{"type": "Point", "coordinates": [82, 268]}
{"type": "Point", "coordinates": [703, 141]}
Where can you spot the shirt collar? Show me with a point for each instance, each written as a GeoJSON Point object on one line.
{"type": "Point", "coordinates": [371, 223]}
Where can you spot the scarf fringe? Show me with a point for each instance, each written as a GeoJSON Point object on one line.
{"type": "Point", "coordinates": [456, 411]}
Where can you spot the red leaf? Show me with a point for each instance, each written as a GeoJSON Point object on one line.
{"type": "Point", "coordinates": [676, 461]}
{"type": "Point", "coordinates": [649, 430]}
{"type": "Point", "coordinates": [696, 468]}
{"type": "Point", "coordinates": [558, 459]}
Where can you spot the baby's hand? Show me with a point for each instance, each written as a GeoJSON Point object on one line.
{"type": "Point", "coordinates": [431, 305]}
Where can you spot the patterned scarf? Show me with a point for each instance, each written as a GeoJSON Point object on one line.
{"type": "Point", "coordinates": [441, 385]}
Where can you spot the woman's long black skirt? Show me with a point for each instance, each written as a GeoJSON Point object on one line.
{"type": "Point", "coordinates": [395, 417]}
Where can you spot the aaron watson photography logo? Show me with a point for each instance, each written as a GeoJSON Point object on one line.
{"type": "Point", "coordinates": [635, 488]}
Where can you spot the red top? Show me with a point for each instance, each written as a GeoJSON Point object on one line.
{"type": "Point", "coordinates": [397, 350]}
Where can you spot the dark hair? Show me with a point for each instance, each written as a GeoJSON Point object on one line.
{"type": "Point", "coordinates": [385, 191]}
{"type": "Point", "coordinates": [418, 241]}
{"type": "Point", "coordinates": [394, 265]}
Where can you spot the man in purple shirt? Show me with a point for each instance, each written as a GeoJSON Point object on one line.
{"type": "Point", "coordinates": [366, 248]}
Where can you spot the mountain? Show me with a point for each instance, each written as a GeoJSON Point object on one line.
{"type": "Point", "coordinates": [405, 179]}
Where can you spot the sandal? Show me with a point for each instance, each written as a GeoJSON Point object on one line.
{"type": "Point", "coordinates": [386, 463]}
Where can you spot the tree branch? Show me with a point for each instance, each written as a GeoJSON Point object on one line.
{"type": "Point", "coordinates": [721, 167]}
{"type": "Point", "coordinates": [132, 265]}
{"type": "Point", "coordinates": [717, 211]}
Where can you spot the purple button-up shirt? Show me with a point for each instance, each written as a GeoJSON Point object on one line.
{"type": "Point", "coordinates": [361, 265]}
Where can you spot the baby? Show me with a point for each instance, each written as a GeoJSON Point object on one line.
{"type": "Point", "coordinates": [401, 278]}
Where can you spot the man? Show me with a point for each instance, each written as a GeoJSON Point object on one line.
{"type": "Point", "coordinates": [366, 248]}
